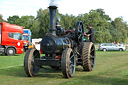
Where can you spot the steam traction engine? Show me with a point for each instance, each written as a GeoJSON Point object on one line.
{"type": "Point", "coordinates": [63, 51]}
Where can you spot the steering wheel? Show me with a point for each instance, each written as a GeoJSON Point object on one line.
{"type": "Point", "coordinates": [79, 32]}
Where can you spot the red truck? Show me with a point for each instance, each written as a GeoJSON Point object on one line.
{"type": "Point", "coordinates": [11, 42]}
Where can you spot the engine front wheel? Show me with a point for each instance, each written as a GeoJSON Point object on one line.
{"type": "Point", "coordinates": [68, 63]}
{"type": "Point", "coordinates": [30, 67]}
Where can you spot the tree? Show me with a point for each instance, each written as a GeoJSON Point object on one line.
{"type": "Point", "coordinates": [106, 30]}
{"type": "Point", "coordinates": [35, 29]}
{"type": "Point", "coordinates": [1, 18]}
{"type": "Point", "coordinates": [43, 20]}
{"type": "Point", "coordinates": [120, 30]}
{"type": "Point", "coordinates": [68, 21]}
{"type": "Point", "coordinates": [25, 21]}
{"type": "Point", "coordinates": [100, 24]}
{"type": "Point", "coordinates": [103, 15]}
{"type": "Point", "coordinates": [12, 19]}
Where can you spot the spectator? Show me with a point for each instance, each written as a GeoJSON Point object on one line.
{"type": "Point", "coordinates": [90, 33]}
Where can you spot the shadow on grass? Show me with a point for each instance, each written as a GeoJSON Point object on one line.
{"type": "Point", "coordinates": [10, 56]}
{"type": "Point", "coordinates": [47, 72]}
{"type": "Point", "coordinates": [19, 72]}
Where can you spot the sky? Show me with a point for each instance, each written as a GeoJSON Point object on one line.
{"type": "Point", "coordinates": [113, 8]}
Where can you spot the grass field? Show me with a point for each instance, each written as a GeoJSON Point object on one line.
{"type": "Point", "coordinates": [111, 69]}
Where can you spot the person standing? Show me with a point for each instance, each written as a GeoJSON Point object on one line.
{"type": "Point", "coordinates": [90, 33]}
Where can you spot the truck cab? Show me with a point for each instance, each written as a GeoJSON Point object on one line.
{"type": "Point", "coordinates": [26, 38]}
{"type": "Point", "coordinates": [26, 41]}
{"type": "Point", "coordinates": [11, 42]}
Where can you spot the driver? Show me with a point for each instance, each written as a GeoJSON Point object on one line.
{"type": "Point", "coordinates": [90, 33]}
{"type": "Point", "coordinates": [60, 30]}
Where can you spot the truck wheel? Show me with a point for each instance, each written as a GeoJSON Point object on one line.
{"type": "Point", "coordinates": [10, 51]}
{"type": "Point", "coordinates": [30, 67]}
{"type": "Point", "coordinates": [88, 53]}
{"type": "Point", "coordinates": [68, 63]}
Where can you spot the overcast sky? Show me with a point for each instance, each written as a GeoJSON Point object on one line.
{"type": "Point", "coordinates": [113, 8]}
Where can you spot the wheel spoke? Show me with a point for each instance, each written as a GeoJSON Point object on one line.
{"type": "Point", "coordinates": [32, 61]}
{"type": "Point", "coordinates": [92, 56]}
{"type": "Point", "coordinates": [92, 50]}
{"type": "Point", "coordinates": [79, 37]}
{"type": "Point", "coordinates": [36, 54]}
{"type": "Point", "coordinates": [71, 56]}
{"type": "Point", "coordinates": [91, 62]}
{"type": "Point", "coordinates": [71, 68]}
{"type": "Point", "coordinates": [72, 65]}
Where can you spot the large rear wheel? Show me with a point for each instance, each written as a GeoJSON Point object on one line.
{"type": "Point", "coordinates": [30, 67]}
{"type": "Point", "coordinates": [88, 53]}
{"type": "Point", "coordinates": [68, 63]}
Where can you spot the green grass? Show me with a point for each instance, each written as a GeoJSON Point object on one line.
{"type": "Point", "coordinates": [6, 61]}
{"type": "Point", "coordinates": [111, 68]}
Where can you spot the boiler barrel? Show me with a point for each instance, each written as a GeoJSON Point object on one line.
{"type": "Point", "coordinates": [52, 44]}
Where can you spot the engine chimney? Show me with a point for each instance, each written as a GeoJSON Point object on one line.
{"type": "Point", "coordinates": [52, 13]}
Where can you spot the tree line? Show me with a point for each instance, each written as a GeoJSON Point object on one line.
{"type": "Point", "coordinates": [106, 29]}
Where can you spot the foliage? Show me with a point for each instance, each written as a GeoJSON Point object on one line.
{"type": "Point", "coordinates": [120, 31]}
{"type": "Point", "coordinates": [106, 30]}
{"type": "Point", "coordinates": [43, 20]}
{"type": "Point", "coordinates": [1, 19]}
{"type": "Point", "coordinates": [12, 19]}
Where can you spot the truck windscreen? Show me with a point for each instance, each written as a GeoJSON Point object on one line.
{"type": "Point", "coordinates": [15, 36]}
{"type": "Point", "coordinates": [25, 37]}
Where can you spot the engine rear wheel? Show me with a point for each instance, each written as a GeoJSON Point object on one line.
{"type": "Point", "coordinates": [88, 53]}
{"type": "Point", "coordinates": [30, 67]}
{"type": "Point", "coordinates": [68, 63]}
{"type": "Point", "coordinates": [79, 32]}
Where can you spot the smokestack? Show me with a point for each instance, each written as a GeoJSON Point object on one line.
{"type": "Point", "coordinates": [52, 13]}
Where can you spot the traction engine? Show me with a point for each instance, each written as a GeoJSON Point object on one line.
{"type": "Point", "coordinates": [64, 51]}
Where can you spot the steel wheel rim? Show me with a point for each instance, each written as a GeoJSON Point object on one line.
{"type": "Point", "coordinates": [92, 57]}
{"type": "Point", "coordinates": [34, 68]}
{"type": "Point", "coordinates": [72, 63]}
{"type": "Point", "coordinates": [79, 32]}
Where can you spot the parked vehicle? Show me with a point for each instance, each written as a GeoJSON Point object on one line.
{"type": "Point", "coordinates": [36, 43]}
{"type": "Point", "coordinates": [26, 41]}
{"type": "Point", "coordinates": [11, 42]}
{"type": "Point", "coordinates": [26, 38]}
{"type": "Point", "coordinates": [27, 31]}
{"type": "Point", "coordinates": [110, 47]}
